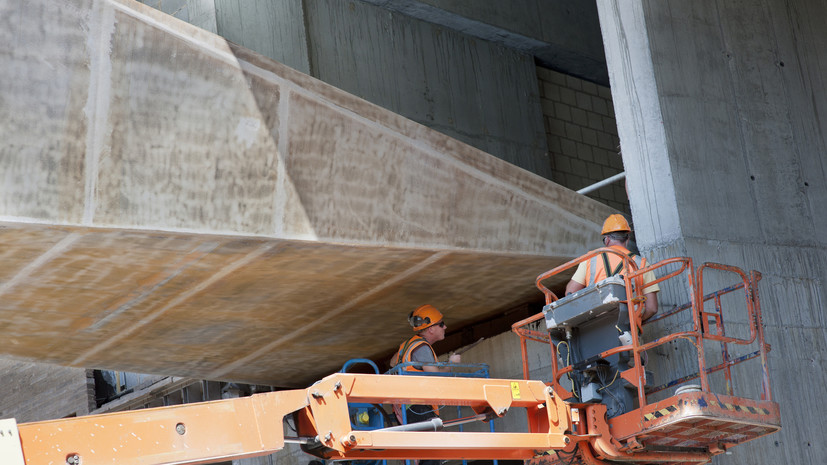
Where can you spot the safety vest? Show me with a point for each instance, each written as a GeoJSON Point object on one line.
{"type": "Point", "coordinates": [406, 350]}
{"type": "Point", "coordinates": [404, 355]}
{"type": "Point", "coordinates": [597, 266]}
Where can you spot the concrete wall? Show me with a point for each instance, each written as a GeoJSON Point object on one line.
{"type": "Point", "coordinates": [37, 391]}
{"type": "Point", "coordinates": [273, 28]}
{"type": "Point", "coordinates": [720, 119]}
{"type": "Point", "coordinates": [561, 34]}
{"type": "Point", "coordinates": [476, 91]}
{"type": "Point", "coordinates": [472, 90]}
{"type": "Point", "coordinates": [201, 13]}
{"type": "Point", "coordinates": [582, 135]}
{"type": "Point", "coordinates": [477, 86]}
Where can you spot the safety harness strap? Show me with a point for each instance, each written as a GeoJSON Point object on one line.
{"type": "Point", "coordinates": [619, 266]}
{"type": "Point", "coordinates": [408, 347]}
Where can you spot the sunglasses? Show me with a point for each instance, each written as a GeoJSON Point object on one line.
{"type": "Point", "coordinates": [441, 324]}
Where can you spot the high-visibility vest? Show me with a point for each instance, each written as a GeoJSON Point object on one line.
{"type": "Point", "coordinates": [404, 354]}
{"type": "Point", "coordinates": [406, 350]}
{"type": "Point", "coordinates": [597, 266]}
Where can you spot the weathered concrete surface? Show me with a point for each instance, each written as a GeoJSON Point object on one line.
{"type": "Point", "coordinates": [201, 13]}
{"type": "Point", "coordinates": [476, 91]}
{"type": "Point", "coordinates": [720, 111]}
{"type": "Point", "coordinates": [472, 90]}
{"type": "Point", "coordinates": [272, 28]}
{"type": "Point", "coordinates": [171, 203]}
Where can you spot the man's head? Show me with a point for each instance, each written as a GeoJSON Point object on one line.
{"type": "Point", "coordinates": [616, 230]}
{"type": "Point", "coordinates": [427, 322]}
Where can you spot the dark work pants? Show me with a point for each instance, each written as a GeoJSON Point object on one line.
{"type": "Point", "coordinates": [417, 413]}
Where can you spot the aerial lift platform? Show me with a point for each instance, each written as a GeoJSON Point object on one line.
{"type": "Point", "coordinates": [601, 415]}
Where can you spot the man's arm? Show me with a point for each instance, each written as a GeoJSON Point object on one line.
{"type": "Point", "coordinates": [454, 358]}
{"type": "Point", "coordinates": [578, 281]}
{"type": "Point", "coordinates": [650, 307]}
{"type": "Point", "coordinates": [424, 354]}
{"type": "Point", "coordinates": [573, 286]}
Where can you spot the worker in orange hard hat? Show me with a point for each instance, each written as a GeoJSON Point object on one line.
{"type": "Point", "coordinates": [429, 326]}
{"type": "Point", "coordinates": [616, 233]}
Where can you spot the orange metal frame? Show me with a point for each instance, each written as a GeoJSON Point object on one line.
{"type": "Point", "coordinates": [251, 426]}
{"type": "Point", "coordinates": [699, 419]}
{"type": "Point", "coordinates": [693, 426]}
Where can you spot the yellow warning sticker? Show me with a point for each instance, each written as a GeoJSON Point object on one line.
{"type": "Point", "coordinates": [515, 390]}
{"type": "Point", "coordinates": [741, 408]}
{"type": "Point", "coordinates": [660, 413]}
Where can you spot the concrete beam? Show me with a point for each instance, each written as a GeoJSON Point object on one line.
{"type": "Point", "coordinates": [175, 204]}
{"type": "Point", "coordinates": [472, 90]}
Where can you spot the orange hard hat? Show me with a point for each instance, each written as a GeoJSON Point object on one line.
{"type": "Point", "coordinates": [615, 223]}
{"type": "Point", "coordinates": [424, 317]}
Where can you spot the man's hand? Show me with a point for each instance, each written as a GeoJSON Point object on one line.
{"type": "Point", "coordinates": [454, 358]}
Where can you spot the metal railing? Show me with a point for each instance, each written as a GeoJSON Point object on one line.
{"type": "Point", "coordinates": [706, 325]}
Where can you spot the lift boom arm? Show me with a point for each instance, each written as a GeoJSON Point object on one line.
{"type": "Point", "coordinates": [251, 426]}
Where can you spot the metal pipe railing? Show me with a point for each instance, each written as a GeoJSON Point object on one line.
{"type": "Point", "coordinates": [605, 182]}
{"type": "Point", "coordinates": [633, 279]}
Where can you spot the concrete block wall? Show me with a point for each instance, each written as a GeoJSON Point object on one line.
{"type": "Point", "coordinates": [37, 391]}
{"type": "Point", "coordinates": [582, 137]}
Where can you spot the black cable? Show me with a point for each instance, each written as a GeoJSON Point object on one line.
{"type": "Point", "coordinates": [602, 375]}
{"type": "Point", "coordinates": [389, 420]}
{"type": "Point", "coordinates": [573, 456]}
{"type": "Point", "coordinates": [292, 427]}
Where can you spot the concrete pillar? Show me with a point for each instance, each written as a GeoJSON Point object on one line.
{"type": "Point", "coordinates": [718, 107]}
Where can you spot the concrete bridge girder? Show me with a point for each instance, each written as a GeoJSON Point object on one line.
{"type": "Point", "coordinates": [176, 204]}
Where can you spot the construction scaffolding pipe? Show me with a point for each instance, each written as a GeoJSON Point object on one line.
{"type": "Point", "coordinates": [605, 182]}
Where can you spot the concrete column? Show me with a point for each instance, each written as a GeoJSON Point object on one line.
{"type": "Point", "coordinates": [718, 108]}
{"type": "Point", "coordinates": [637, 110]}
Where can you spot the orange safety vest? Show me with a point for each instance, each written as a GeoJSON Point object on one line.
{"type": "Point", "coordinates": [404, 354]}
{"type": "Point", "coordinates": [597, 266]}
{"type": "Point", "coordinates": [406, 350]}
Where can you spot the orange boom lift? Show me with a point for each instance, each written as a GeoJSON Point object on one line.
{"type": "Point", "coordinates": [585, 418]}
